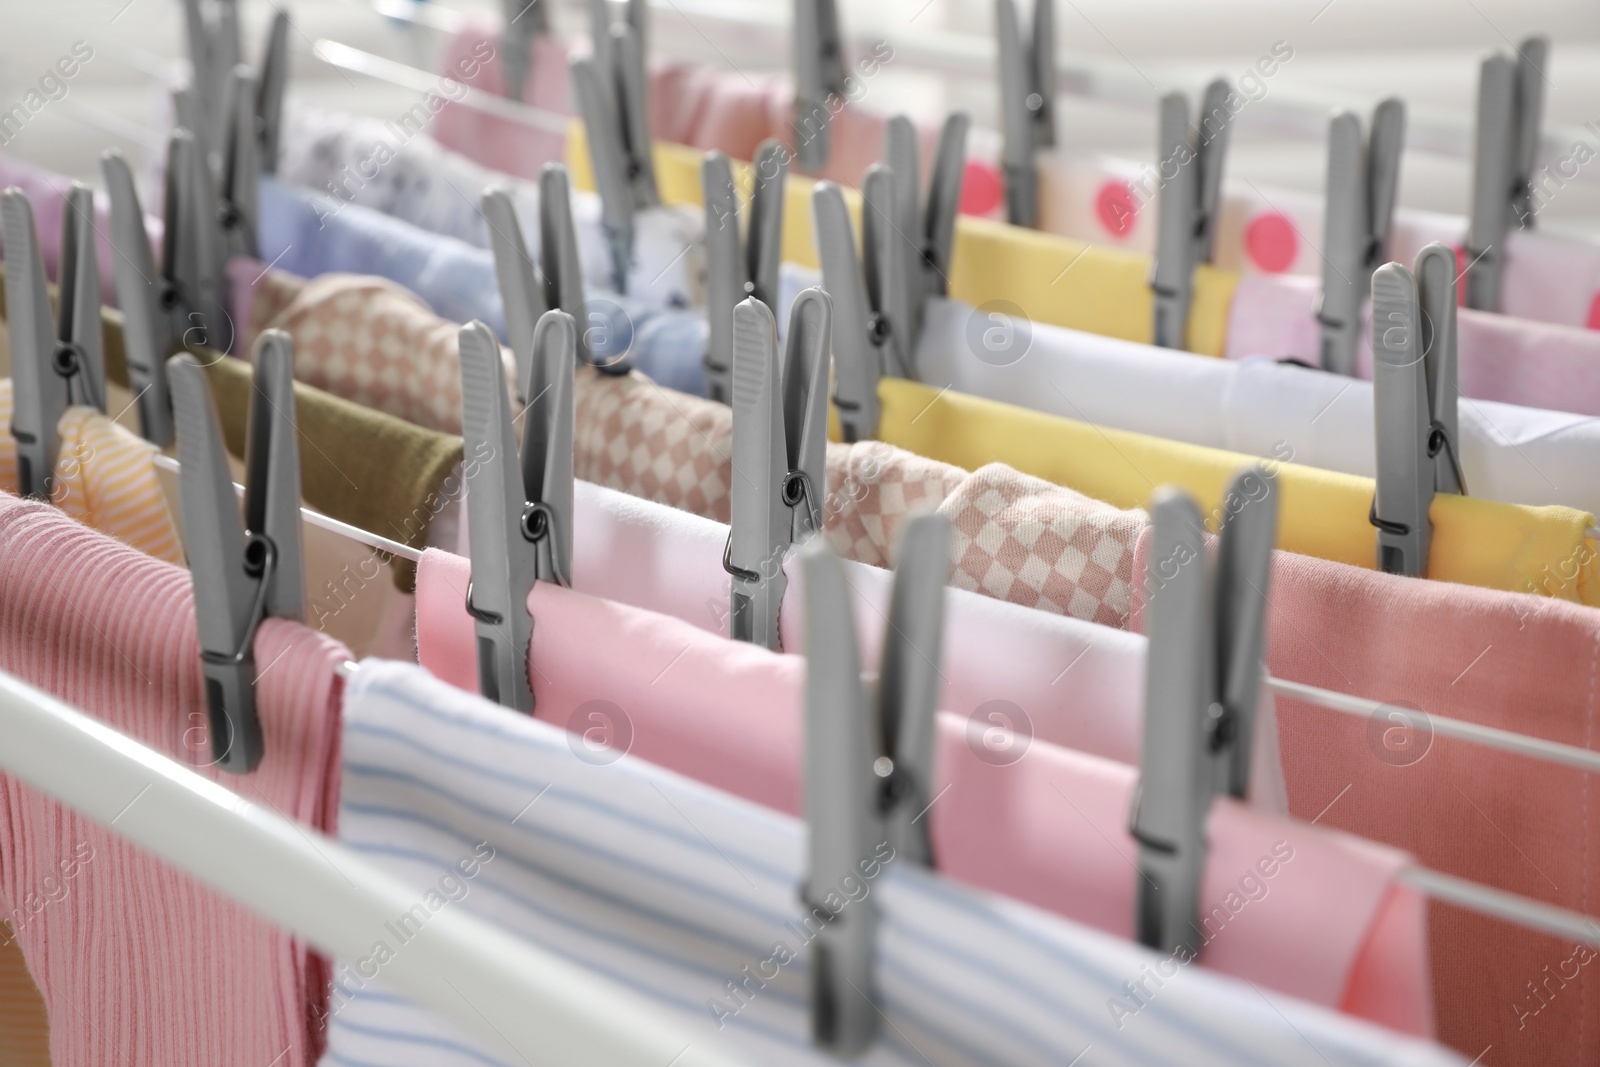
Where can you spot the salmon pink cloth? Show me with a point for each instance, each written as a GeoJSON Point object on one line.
{"type": "Point", "coordinates": [1508, 660]}
{"type": "Point", "coordinates": [1038, 822]}
{"type": "Point", "coordinates": [690, 104]}
{"type": "Point", "coordinates": [138, 964]}
{"type": "Point", "coordinates": [1515, 361]}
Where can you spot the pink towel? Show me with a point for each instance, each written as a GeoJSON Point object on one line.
{"type": "Point", "coordinates": [138, 964]}
{"type": "Point", "coordinates": [47, 191]}
{"type": "Point", "coordinates": [1515, 361]}
{"type": "Point", "coordinates": [1046, 825]}
{"type": "Point", "coordinates": [1508, 660]}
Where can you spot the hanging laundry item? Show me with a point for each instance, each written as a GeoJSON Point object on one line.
{"type": "Point", "coordinates": [1515, 361]}
{"type": "Point", "coordinates": [105, 477]}
{"type": "Point", "coordinates": [180, 976]}
{"type": "Point", "coordinates": [47, 192]}
{"type": "Point", "coordinates": [613, 863]}
{"type": "Point", "coordinates": [684, 718]}
{"type": "Point", "coordinates": [353, 160]}
{"type": "Point", "coordinates": [1506, 660]}
{"type": "Point", "coordinates": [1016, 662]}
{"type": "Point", "coordinates": [24, 1024]}
{"type": "Point", "coordinates": [1547, 277]}
{"type": "Point", "coordinates": [1517, 455]}
{"type": "Point", "coordinates": [471, 57]}
{"type": "Point", "coordinates": [1323, 514]}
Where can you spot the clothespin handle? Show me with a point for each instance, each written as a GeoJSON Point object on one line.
{"type": "Point", "coordinates": [1405, 482]}
{"type": "Point", "coordinates": [889, 260]}
{"type": "Point", "coordinates": [141, 294]}
{"type": "Point", "coordinates": [846, 843]}
{"type": "Point", "coordinates": [1172, 269]}
{"type": "Point", "coordinates": [1174, 791]}
{"type": "Point", "coordinates": [238, 215]}
{"type": "Point", "coordinates": [558, 259]}
{"type": "Point", "coordinates": [269, 93]}
{"type": "Point", "coordinates": [1435, 271]}
{"type": "Point", "coordinates": [1510, 99]}
{"type": "Point", "coordinates": [1243, 574]}
{"type": "Point", "coordinates": [819, 75]}
{"type": "Point", "coordinates": [760, 528]}
{"type": "Point", "coordinates": [38, 381]}
{"type": "Point", "coordinates": [856, 336]}
{"type": "Point", "coordinates": [521, 289]}
{"type": "Point", "coordinates": [910, 685]}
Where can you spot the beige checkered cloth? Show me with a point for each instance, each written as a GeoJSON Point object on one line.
{"type": "Point", "coordinates": [1016, 538]}
{"type": "Point", "coordinates": [1025, 540]}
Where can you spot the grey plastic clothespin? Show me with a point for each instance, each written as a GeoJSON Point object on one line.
{"type": "Point", "coordinates": [529, 289]}
{"type": "Point", "coordinates": [739, 268]}
{"type": "Point", "coordinates": [1414, 403]}
{"type": "Point", "coordinates": [269, 93]}
{"type": "Point", "coordinates": [1510, 105]}
{"type": "Point", "coordinates": [1187, 205]}
{"type": "Point", "coordinates": [818, 76]}
{"type": "Point", "coordinates": [1202, 678]}
{"type": "Point", "coordinates": [524, 20]}
{"type": "Point", "coordinates": [53, 363]}
{"type": "Point", "coordinates": [905, 259]}
{"type": "Point", "coordinates": [1363, 176]}
{"type": "Point", "coordinates": [212, 31]}
{"type": "Point", "coordinates": [780, 428]}
{"type": "Point", "coordinates": [602, 31]}
{"type": "Point", "coordinates": [239, 184]}
{"type": "Point", "coordinates": [519, 513]}
{"type": "Point", "coordinates": [610, 89]}
{"type": "Point", "coordinates": [1027, 103]}
{"type": "Point", "coordinates": [242, 572]}
{"type": "Point", "coordinates": [869, 766]}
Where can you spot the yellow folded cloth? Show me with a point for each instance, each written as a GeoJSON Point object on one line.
{"type": "Point", "coordinates": [1051, 279]}
{"type": "Point", "coordinates": [1320, 513]}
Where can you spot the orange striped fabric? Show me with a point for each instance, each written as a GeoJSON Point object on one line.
{"type": "Point", "coordinates": [105, 477]}
{"type": "Point", "coordinates": [24, 1026]}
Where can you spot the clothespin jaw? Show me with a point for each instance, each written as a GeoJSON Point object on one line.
{"type": "Point", "coordinates": [779, 447]}
{"type": "Point", "coordinates": [1202, 676]}
{"type": "Point", "coordinates": [610, 88]}
{"type": "Point", "coordinates": [242, 572]}
{"type": "Point", "coordinates": [1027, 103]}
{"type": "Point", "coordinates": [519, 513]}
{"type": "Point", "coordinates": [269, 93]}
{"type": "Point", "coordinates": [1186, 227]}
{"type": "Point", "coordinates": [819, 75]}
{"type": "Point", "coordinates": [1363, 177]}
{"type": "Point", "coordinates": [148, 303]}
{"type": "Point", "coordinates": [739, 269]}
{"type": "Point", "coordinates": [238, 215]}
{"type": "Point", "coordinates": [524, 20]}
{"type": "Point", "coordinates": [1510, 104]}
{"type": "Point", "coordinates": [869, 765]}
{"type": "Point", "coordinates": [1414, 390]}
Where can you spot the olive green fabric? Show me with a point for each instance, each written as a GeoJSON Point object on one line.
{"type": "Point", "coordinates": [357, 465]}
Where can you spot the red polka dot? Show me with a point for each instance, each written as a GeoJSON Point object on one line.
{"type": "Point", "coordinates": [1271, 243]}
{"type": "Point", "coordinates": [981, 190]}
{"type": "Point", "coordinates": [1594, 313]}
{"type": "Point", "coordinates": [1117, 208]}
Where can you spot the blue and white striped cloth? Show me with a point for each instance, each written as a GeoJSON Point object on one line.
{"type": "Point", "coordinates": [688, 896]}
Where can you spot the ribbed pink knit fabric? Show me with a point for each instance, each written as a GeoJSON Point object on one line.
{"type": "Point", "coordinates": [1508, 660]}
{"type": "Point", "coordinates": [140, 966]}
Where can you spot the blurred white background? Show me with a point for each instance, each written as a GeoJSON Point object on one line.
{"type": "Point", "coordinates": [1346, 53]}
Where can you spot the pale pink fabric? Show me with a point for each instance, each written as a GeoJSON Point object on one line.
{"type": "Point", "coordinates": [47, 191]}
{"type": "Point", "coordinates": [501, 143]}
{"type": "Point", "coordinates": [138, 964]}
{"type": "Point", "coordinates": [1048, 828]}
{"type": "Point", "coordinates": [1513, 661]}
{"type": "Point", "coordinates": [1515, 361]}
